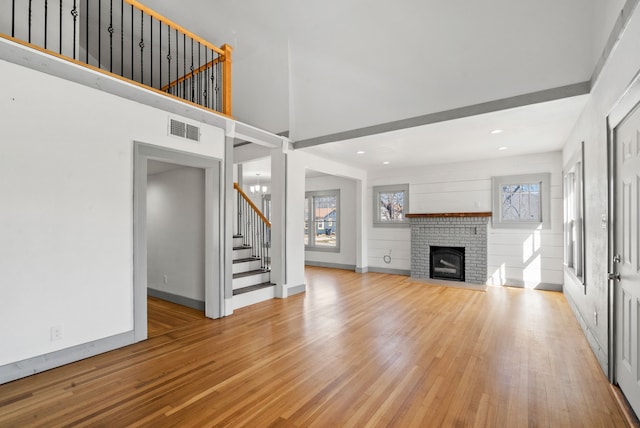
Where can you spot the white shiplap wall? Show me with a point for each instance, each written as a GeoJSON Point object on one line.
{"type": "Point", "coordinates": [515, 257]}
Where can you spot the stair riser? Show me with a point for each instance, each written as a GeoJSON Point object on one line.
{"type": "Point", "coordinates": [242, 254]}
{"type": "Point", "coordinates": [248, 281]}
{"type": "Point", "coordinates": [253, 297]}
{"type": "Point", "coordinates": [238, 242]}
{"type": "Point", "coordinates": [246, 266]}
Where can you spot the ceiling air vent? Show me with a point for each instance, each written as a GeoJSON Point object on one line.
{"type": "Point", "coordinates": [184, 130]}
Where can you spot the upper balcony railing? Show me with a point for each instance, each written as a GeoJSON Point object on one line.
{"type": "Point", "coordinates": [125, 38]}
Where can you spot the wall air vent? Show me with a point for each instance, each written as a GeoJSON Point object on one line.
{"type": "Point", "coordinates": [192, 133]}
{"type": "Point", "coordinates": [184, 130]}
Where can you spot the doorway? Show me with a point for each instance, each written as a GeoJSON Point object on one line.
{"type": "Point", "coordinates": [175, 233]}
{"type": "Point", "coordinates": [213, 229]}
{"type": "Point", "coordinates": [624, 260]}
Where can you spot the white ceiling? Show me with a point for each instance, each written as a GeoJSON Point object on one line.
{"type": "Point", "coordinates": [318, 68]}
{"type": "Point", "coordinates": [534, 128]}
{"type": "Point", "coordinates": [256, 170]}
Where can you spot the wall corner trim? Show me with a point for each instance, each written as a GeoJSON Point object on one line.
{"type": "Point", "coordinates": [177, 299]}
{"type": "Point", "coordinates": [296, 289]}
{"type": "Point", "coordinates": [330, 265]}
{"type": "Point", "coordinates": [403, 272]}
{"type": "Point", "coordinates": [30, 366]}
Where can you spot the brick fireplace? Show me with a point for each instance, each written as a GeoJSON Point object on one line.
{"type": "Point", "coordinates": [466, 231]}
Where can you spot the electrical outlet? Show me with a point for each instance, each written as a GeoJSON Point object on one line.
{"type": "Point", "coordinates": [56, 333]}
{"type": "Point", "coordinates": [165, 279]}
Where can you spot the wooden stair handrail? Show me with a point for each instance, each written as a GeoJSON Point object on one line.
{"type": "Point", "coordinates": [226, 79]}
{"type": "Point", "coordinates": [192, 73]}
{"type": "Point", "coordinates": [252, 205]}
{"type": "Point", "coordinates": [224, 52]}
{"type": "Point", "coordinates": [224, 56]}
{"type": "Point", "coordinates": [175, 26]}
{"type": "Point", "coordinates": [106, 73]}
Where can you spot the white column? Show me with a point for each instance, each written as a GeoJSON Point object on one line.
{"type": "Point", "coordinates": [278, 221]}
{"type": "Point", "coordinates": [295, 223]}
{"type": "Point", "coordinates": [287, 228]}
{"type": "Point", "coordinates": [362, 218]}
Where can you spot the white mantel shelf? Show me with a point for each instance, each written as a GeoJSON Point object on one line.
{"type": "Point", "coordinates": [432, 215]}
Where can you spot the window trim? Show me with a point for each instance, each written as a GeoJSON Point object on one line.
{"type": "Point", "coordinates": [575, 166]}
{"type": "Point", "coordinates": [545, 200]}
{"type": "Point", "coordinates": [376, 208]}
{"type": "Point", "coordinates": [311, 245]}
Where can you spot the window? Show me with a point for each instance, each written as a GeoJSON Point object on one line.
{"type": "Point", "coordinates": [574, 229]}
{"type": "Point", "coordinates": [266, 206]}
{"type": "Point", "coordinates": [321, 220]}
{"type": "Point", "coordinates": [391, 205]}
{"type": "Point", "coordinates": [521, 201]}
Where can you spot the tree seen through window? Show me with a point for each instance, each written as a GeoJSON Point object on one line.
{"type": "Point", "coordinates": [391, 206]}
{"type": "Point", "coordinates": [521, 202]}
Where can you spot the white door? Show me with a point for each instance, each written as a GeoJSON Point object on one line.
{"type": "Point", "coordinates": [627, 257]}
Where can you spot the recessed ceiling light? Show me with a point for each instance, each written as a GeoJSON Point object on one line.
{"type": "Point", "coordinates": [503, 148]}
{"type": "Point", "coordinates": [360, 152]}
{"type": "Point", "coordinates": [497, 131]}
{"type": "Point", "coordinates": [386, 163]}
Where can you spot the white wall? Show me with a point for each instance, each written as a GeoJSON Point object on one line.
{"type": "Point", "coordinates": [308, 161]}
{"type": "Point", "coordinates": [175, 232]}
{"type": "Point", "coordinates": [347, 220]}
{"type": "Point", "coordinates": [297, 162]}
{"type": "Point", "coordinates": [515, 257]}
{"type": "Point", "coordinates": [616, 76]}
{"type": "Point", "coordinates": [66, 180]}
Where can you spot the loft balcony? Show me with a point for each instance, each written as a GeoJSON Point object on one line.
{"type": "Point", "coordinates": [127, 40]}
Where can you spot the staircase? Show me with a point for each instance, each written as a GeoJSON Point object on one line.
{"type": "Point", "coordinates": [251, 261]}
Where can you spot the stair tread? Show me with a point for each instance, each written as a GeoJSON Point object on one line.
{"type": "Point", "coordinates": [238, 236]}
{"type": "Point", "coordinates": [243, 247]}
{"type": "Point", "coordinates": [246, 260]}
{"type": "Point", "coordinates": [252, 288]}
{"type": "Point", "coordinates": [250, 273]}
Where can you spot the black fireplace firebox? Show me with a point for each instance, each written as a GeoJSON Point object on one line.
{"type": "Point", "coordinates": [447, 263]}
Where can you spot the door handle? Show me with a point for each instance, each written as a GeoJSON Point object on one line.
{"type": "Point", "coordinates": [614, 276]}
{"type": "Point", "coordinates": [616, 258]}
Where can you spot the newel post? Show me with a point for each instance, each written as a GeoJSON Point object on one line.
{"type": "Point", "coordinates": [226, 79]}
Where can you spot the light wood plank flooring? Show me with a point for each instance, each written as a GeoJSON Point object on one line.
{"type": "Point", "coordinates": [355, 350]}
{"type": "Point", "coordinates": [163, 316]}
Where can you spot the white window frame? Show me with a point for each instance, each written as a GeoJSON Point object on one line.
{"type": "Point", "coordinates": [544, 221]}
{"type": "Point", "coordinates": [574, 209]}
{"type": "Point", "coordinates": [311, 230]}
{"type": "Point", "coordinates": [393, 188]}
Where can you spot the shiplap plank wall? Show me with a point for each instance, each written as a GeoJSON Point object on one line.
{"type": "Point", "coordinates": [515, 256]}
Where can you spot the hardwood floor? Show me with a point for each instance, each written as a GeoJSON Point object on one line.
{"type": "Point", "coordinates": [355, 350]}
{"type": "Point", "coordinates": [163, 316]}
